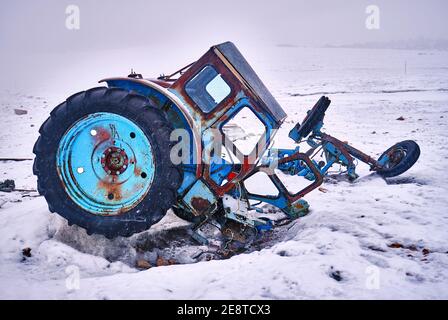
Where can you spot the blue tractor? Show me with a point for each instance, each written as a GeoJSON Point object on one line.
{"type": "Point", "coordinates": [114, 159]}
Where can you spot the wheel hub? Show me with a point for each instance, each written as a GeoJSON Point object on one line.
{"type": "Point", "coordinates": [395, 157]}
{"type": "Point", "coordinates": [114, 161]}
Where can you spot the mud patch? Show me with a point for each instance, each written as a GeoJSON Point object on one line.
{"type": "Point", "coordinates": [166, 243]}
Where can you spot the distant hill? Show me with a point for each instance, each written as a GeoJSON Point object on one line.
{"type": "Point", "coordinates": [414, 44]}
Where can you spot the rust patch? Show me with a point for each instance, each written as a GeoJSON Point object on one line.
{"type": "Point", "coordinates": [111, 189]}
{"type": "Point", "coordinates": [160, 262]}
{"type": "Point", "coordinates": [101, 134]}
{"type": "Point", "coordinates": [137, 171]}
{"type": "Point", "coordinates": [397, 245]}
{"type": "Point", "coordinates": [200, 205]}
{"type": "Point", "coordinates": [143, 264]}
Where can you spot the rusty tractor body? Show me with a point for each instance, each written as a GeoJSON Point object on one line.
{"type": "Point", "coordinates": [114, 159]}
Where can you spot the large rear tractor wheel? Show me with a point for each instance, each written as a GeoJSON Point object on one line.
{"type": "Point", "coordinates": [103, 162]}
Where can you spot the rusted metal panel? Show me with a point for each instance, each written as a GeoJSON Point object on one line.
{"type": "Point", "coordinates": [200, 199]}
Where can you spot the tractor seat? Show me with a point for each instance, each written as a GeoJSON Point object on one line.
{"type": "Point", "coordinates": [312, 119]}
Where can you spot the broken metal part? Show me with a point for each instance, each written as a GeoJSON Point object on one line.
{"type": "Point", "coordinates": [200, 199]}
{"type": "Point", "coordinates": [298, 209]}
{"type": "Point", "coordinates": [197, 236]}
{"type": "Point", "coordinates": [180, 72]}
{"type": "Point", "coordinates": [135, 75]}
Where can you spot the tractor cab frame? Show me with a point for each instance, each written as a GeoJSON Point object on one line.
{"type": "Point", "coordinates": [199, 100]}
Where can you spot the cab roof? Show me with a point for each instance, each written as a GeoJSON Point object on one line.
{"type": "Point", "coordinates": [231, 53]}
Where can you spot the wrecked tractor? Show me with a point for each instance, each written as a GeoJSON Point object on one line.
{"type": "Point", "coordinates": [114, 159]}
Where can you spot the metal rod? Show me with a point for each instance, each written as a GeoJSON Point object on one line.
{"type": "Point", "coordinates": [15, 159]}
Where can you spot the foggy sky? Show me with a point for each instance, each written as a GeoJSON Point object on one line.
{"type": "Point", "coordinates": [39, 26]}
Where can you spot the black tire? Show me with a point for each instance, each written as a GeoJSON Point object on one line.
{"type": "Point", "coordinates": [167, 176]}
{"type": "Point", "coordinates": [410, 152]}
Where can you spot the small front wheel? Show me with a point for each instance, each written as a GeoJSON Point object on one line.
{"type": "Point", "coordinates": [398, 158]}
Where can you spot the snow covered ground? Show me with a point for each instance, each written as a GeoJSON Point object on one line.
{"type": "Point", "coordinates": [369, 239]}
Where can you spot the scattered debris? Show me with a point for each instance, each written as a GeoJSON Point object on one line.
{"type": "Point", "coordinates": [27, 195]}
{"type": "Point", "coordinates": [411, 247]}
{"type": "Point", "coordinates": [375, 248]}
{"type": "Point", "coordinates": [20, 112]}
{"type": "Point", "coordinates": [7, 186]}
{"type": "Point", "coordinates": [322, 189]}
{"type": "Point", "coordinates": [415, 277]}
{"type": "Point", "coordinates": [143, 264]}
{"type": "Point", "coordinates": [161, 262]}
{"type": "Point", "coordinates": [336, 275]}
{"type": "Point", "coordinates": [395, 245]}
{"type": "Point", "coordinates": [401, 118]}
{"type": "Point", "coordinates": [26, 252]}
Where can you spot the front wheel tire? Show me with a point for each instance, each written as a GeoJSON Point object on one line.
{"type": "Point", "coordinates": [398, 158]}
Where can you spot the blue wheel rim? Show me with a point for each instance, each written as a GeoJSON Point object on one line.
{"type": "Point", "coordinates": [106, 163]}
